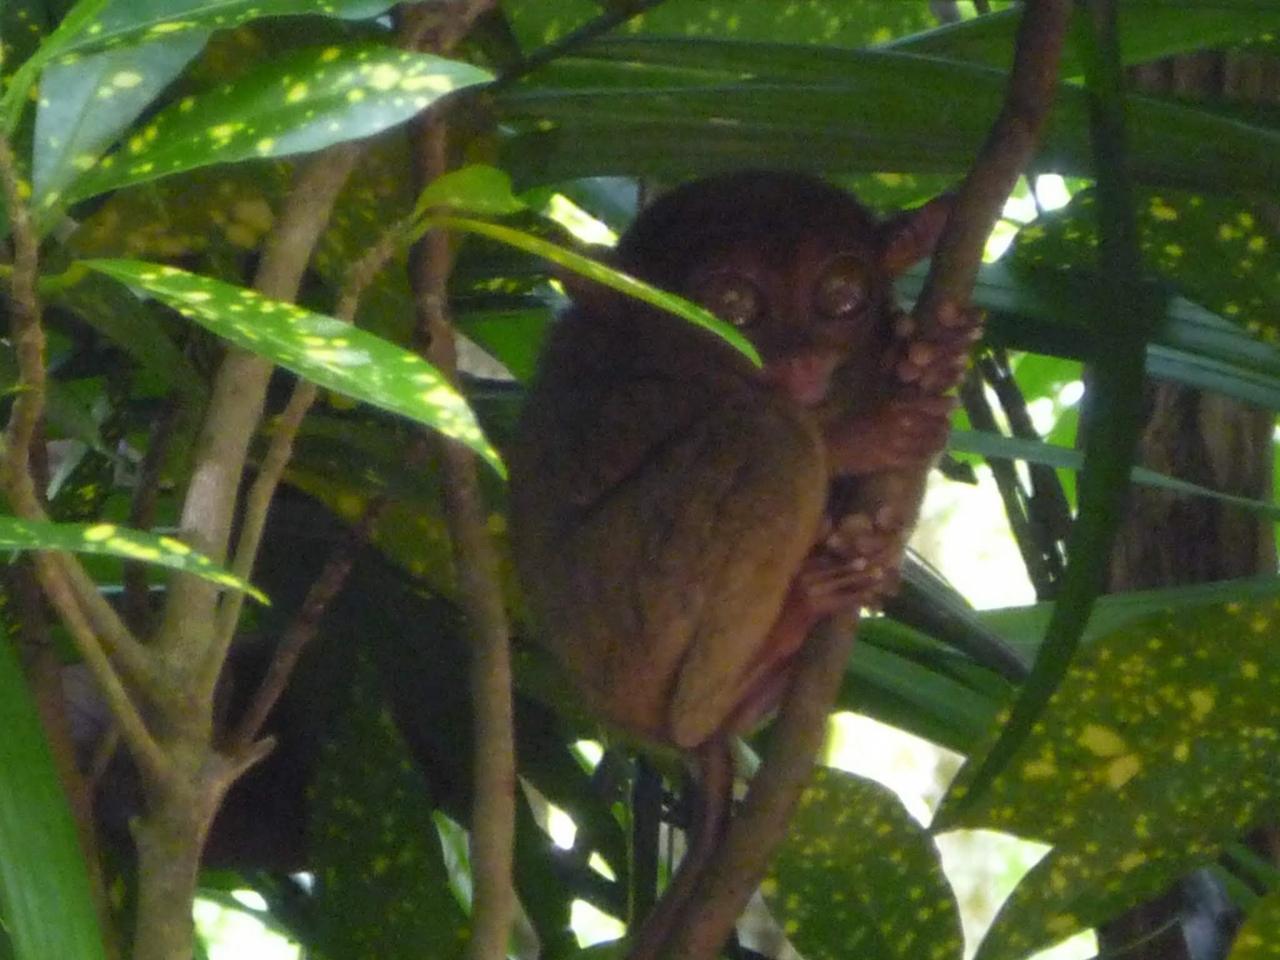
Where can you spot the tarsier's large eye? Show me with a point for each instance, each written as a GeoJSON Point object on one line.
{"type": "Point", "coordinates": [732, 297]}
{"type": "Point", "coordinates": [841, 288]}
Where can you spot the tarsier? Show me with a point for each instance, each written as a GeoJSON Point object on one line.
{"type": "Point", "coordinates": [673, 506]}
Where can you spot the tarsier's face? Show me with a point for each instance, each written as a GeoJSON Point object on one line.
{"type": "Point", "coordinates": [806, 309]}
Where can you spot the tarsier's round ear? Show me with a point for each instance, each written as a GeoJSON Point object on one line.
{"type": "Point", "coordinates": [910, 236]}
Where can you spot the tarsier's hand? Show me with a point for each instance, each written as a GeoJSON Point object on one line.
{"type": "Point", "coordinates": [934, 363]}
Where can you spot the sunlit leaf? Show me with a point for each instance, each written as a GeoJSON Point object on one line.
{"type": "Point", "coordinates": [602, 274]}
{"type": "Point", "coordinates": [303, 102]}
{"type": "Point", "coordinates": [86, 102]}
{"type": "Point", "coordinates": [327, 351]}
{"type": "Point", "coordinates": [20, 84]}
{"type": "Point", "coordinates": [1259, 938]}
{"type": "Point", "coordinates": [477, 189]}
{"type": "Point", "coordinates": [46, 902]}
{"type": "Point", "coordinates": [858, 877]}
{"type": "Point", "coordinates": [145, 21]}
{"type": "Point", "coordinates": [117, 541]}
{"type": "Point", "coordinates": [1158, 748]}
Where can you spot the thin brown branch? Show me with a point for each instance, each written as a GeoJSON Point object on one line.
{"type": "Point", "coordinates": [493, 811]}
{"type": "Point", "coordinates": [142, 510]}
{"type": "Point", "coordinates": [742, 859]}
{"type": "Point", "coordinates": [283, 435]}
{"type": "Point", "coordinates": [304, 627]}
{"type": "Point", "coordinates": [57, 573]}
{"type": "Point", "coordinates": [235, 410]}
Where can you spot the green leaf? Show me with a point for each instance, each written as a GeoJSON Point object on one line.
{"type": "Point", "coordinates": [1149, 31]}
{"type": "Point", "coordinates": [145, 21]}
{"type": "Point", "coordinates": [382, 886]}
{"type": "Point", "coordinates": [304, 102]}
{"type": "Point", "coordinates": [1158, 748]}
{"type": "Point", "coordinates": [46, 902]}
{"type": "Point", "coordinates": [476, 189]}
{"type": "Point", "coordinates": [85, 103]}
{"type": "Point", "coordinates": [1218, 252]}
{"type": "Point", "coordinates": [1259, 938]}
{"type": "Point", "coordinates": [602, 274]}
{"type": "Point", "coordinates": [858, 877]}
{"type": "Point", "coordinates": [116, 541]}
{"type": "Point", "coordinates": [829, 21]}
{"type": "Point", "coordinates": [327, 351]}
{"type": "Point", "coordinates": [881, 112]}
{"type": "Point", "coordinates": [20, 84]}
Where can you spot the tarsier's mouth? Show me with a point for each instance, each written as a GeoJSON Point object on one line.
{"type": "Point", "coordinates": [804, 377]}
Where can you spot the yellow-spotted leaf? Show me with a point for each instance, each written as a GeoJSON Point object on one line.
{"type": "Point", "coordinates": [1159, 747]}
{"type": "Point", "coordinates": [319, 348]}
{"type": "Point", "coordinates": [115, 25]}
{"type": "Point", "coordinates": [116, 541]}
{"type": "Point", "coordinates": [1259, 938]}
{"type": "Point", "coordinates": [859, 878]}
{"type": "Point", "coordinates": [303, 102]}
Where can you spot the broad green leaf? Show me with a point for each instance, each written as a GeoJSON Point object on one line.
{"type": "Point", "coordinates": [117, 541]}
{"type": "Point", "coordinates": [1024, 626]}
{"type": "Point", "coordinates": [86, 102]}
{"type": "Point", "coordinates": [46, 902]}
{"type": "Point", "coordinates": [476, 189]}
{"type": "Point", "coordinates": [602, 274]}
{"type": "Point", "coordinates": [145, 21]}
{"type": "Point", "coordinates": [1259, 938]}
{"type": "Point", "coordinates": [1150, 29]}
{"type": "Point", "coordinates": [327, 351]}
{"type": "Point", "coordinates": [20, 84]}
{"type": "Point", "coordinates": [1158, 747]}
{"type": "Point", "coordinates": [382, 887]}
{"type": "Point", "coordinates": [304, 102]}
{"type": "Point", "coordinates": [858, 877]}
{"type": "Point", "coordinates": [833, 22]}
{"type": "Point", "coordinates": [888, 112]}
{"type": "Point", "coordinates": [1220, 253]}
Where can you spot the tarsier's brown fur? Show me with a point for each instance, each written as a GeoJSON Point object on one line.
{"type": "Point", "coordinates": [670, 501]}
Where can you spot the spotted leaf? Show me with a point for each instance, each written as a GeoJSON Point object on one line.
{"type": "Point", "coordinates": [1220, 252]}
{"type": "Point", "coordinates": [382, 883]}
{"type": "Point", "coordinates": [86, 102]}
{"type": "Point", "coordinates": [1157, 749]}
{"type": "Point", "coordinates": [326, 351]}
{"type": "Point", "coordinates": [1259, 938]}
{"type": "Point", "coordinates": [859, 877]}
{"type": "Point", "coordinates": [116, 25]}
{"type": "Point", "coordinates": [112, 540]}
{"type": "Point", "coordinates": [306, 101]}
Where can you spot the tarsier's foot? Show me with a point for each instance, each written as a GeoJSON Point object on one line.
{"type": "Point", "coordinates": [855, 565]}
{"type": "Point", "coordinates": [935, 363]}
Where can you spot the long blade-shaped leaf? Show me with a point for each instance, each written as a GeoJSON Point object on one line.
{"type": "Point", "coordinates": [306, 101]}
{"type": "Point", "coordinates": [322, 349]}
{"type": "Point", "coordinates": [46, 903]}
{"type": "Point", "coordinates": [109, 539]}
